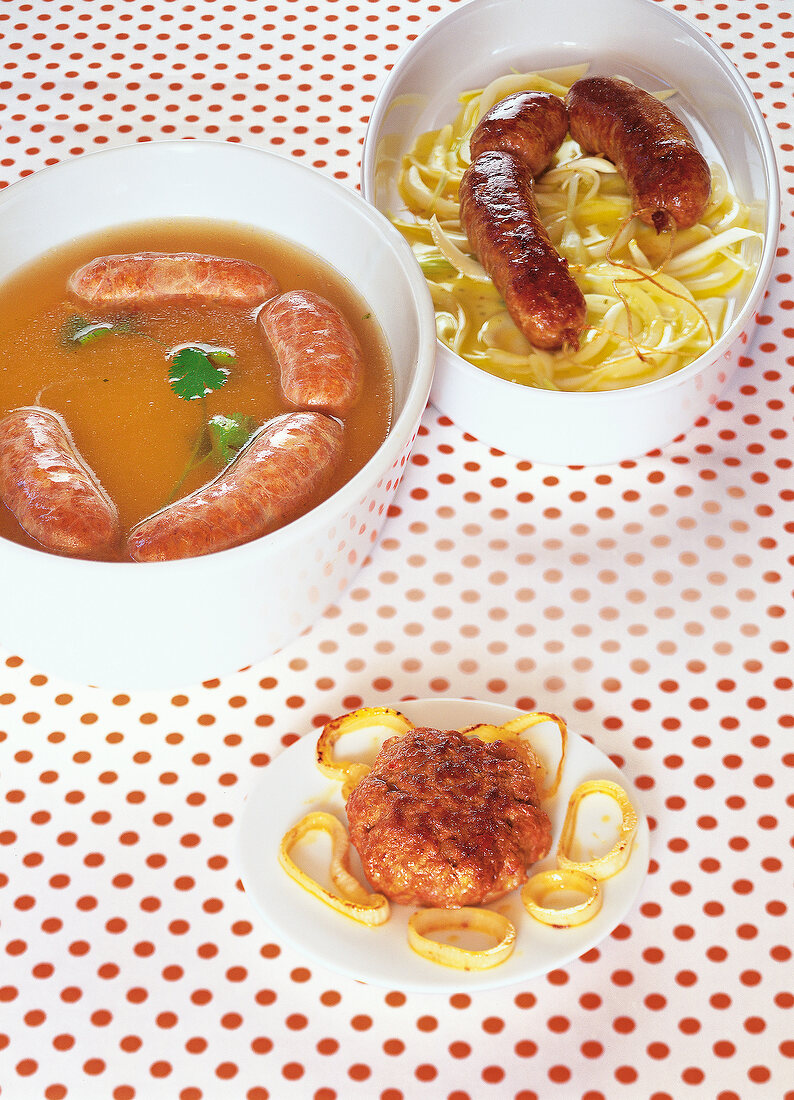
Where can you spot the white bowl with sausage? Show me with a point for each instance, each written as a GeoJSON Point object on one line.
{"type": "Point", "coordinates": [658, 50]}
{"type": "Point", "coordinates": [160, 624]}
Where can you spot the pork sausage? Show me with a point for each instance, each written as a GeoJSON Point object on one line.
{"type": "Point", "coordinates": [271, 481]}
{"type": "Point", "coordinates": [666, 175]}
{"type": "Point", "coordinates": [147, 278]}
{"type": "Point", "coordinates": [55, 496]}
{"type": "Point", "coordinates": [500, 219]}
{"type": "Point", "coordinates": [321, 362]}
{"type": "Point", "coordinates": [530, 125]}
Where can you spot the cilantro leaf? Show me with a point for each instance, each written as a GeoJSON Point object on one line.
{"type": "Point", "coordinates": [193, 374]}
{"type": "Point", "coordinates": [229, 434]}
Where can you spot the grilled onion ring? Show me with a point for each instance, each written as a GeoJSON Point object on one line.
{"type": "Point", "coordinates": [618, 856]}
{"type": "Point", "coordinates": [486, 731]}
{"type": "Point", "coordinates": [517, 726]}
{"type": "Point", "coordinates": [534, 892]}
{"type": "Point", "coordinates": [351, 773]}
{"type": "Point", "coordinates": [466, 918]}
{"type": "Point", "coordinates": [356, 903]}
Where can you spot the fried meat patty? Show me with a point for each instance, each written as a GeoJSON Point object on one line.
{"type": "Point", "coordinates": [446, 820]}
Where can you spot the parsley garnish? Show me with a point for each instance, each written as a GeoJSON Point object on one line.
{"type": "Point", "coordinates": [219, 440]}
{"type": "Point", "coordinates": [78, 331]}
{"type": "Point", "coordinates": [228, 435]}
{"type": "Point", "coordinates": [195, 373]}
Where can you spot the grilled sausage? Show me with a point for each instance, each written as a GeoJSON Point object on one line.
{"type": "Point", "coordinates": [145, 278]}
{"type": "Point", "coordinates": [55, 496]}
{"type": "Point", "coordinates": [530, 125]}
{"type": "Point", "coordinates": [501, 221]}
{"type": "Point", "coordinates": [271, 481]}
{"type": "Point", "coordinates": [667, 177]}
{"type": "Point", "coordinates": [319, 356]}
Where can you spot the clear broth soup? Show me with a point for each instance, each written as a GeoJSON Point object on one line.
{"type": "Point", "coordinates": [113, 391]}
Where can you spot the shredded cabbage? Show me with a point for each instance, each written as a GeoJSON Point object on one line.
{"type": "Point", "coordinates": [654, 302]}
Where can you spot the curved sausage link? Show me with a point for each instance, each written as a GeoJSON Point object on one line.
{"type": "Point", "coordinates": [271, 481]}
{"type": "Point", "coordinates": [501, 221]}
{"type": "Point", "coordinates": [55, 496]}
{"type": "Point", "coordinates": [146, 278]}
{"type": "Point", "coordinates": [530, 125]}
{"type": "Point", "coordinates": [666, 175]}
{"type": "Point", "coordinates": [321, 362]}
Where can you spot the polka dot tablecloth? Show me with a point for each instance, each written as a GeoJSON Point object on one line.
{"type": "Point", "coordinates": [648, 602]}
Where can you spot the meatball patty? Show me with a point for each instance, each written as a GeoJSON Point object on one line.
{"type": "Point", "coordinates": [446, 820]}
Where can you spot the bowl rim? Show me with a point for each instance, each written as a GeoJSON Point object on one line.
{"type": "Point", "coordinates": [400, 432]}
{"type": "Point", "coordinates": [756, 291]}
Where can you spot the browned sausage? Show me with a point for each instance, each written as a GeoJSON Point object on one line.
{"type": "Point", "coordinates": [652, 149]}
{"type": "Point", "coordinates": [145, 278]}
{"type": "Point", "coordinates": [321, 362]}
{"type": "Point", "coordinates": [501, 221]}
{"type": "Point", "coordinates": [530, 125]}
{"type": "Point", "coordinates": [271, 481]}
{"type": "Point", "coordinates": [51, 490]}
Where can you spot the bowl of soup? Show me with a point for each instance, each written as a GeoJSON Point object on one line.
{"type": "Point", "coordinates": [174, 508]}
{"type": "Point", "coordinates": [668, 314]}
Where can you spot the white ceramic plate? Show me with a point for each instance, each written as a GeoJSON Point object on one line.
{"type": "Point", "coordinates": [292, 786]}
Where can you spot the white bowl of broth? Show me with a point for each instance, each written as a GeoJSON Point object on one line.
{"type": "Point", "coordinates": [553, 407]}
{"type": "Point", "coordinates": [158, 624]}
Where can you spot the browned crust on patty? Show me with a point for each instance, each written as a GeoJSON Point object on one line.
{"type": "Point", "coordinates": [447, 820]}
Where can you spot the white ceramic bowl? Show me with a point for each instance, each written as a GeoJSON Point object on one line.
{"type": "Point", "coordinates": [151, 625]}
{"type": "Point", "coordinates": [653, 46]}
